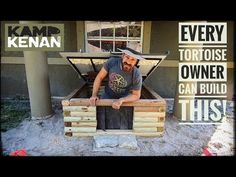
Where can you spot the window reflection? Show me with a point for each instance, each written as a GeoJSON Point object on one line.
{"type": "Point", "coordinates": [119, 44]}
{"type": "Point", "coordinates": [107, 29]}
{"type": "Point", "coordinates": [120, 31]}
{"type": "Point", "coordinates": [93, 30]}
{"type": "Point", "coordinates": [134, 31]}
{"type": "Point", "coordinates": [107, 46]}
{"type": "Point", "coordinates": [93, 46]}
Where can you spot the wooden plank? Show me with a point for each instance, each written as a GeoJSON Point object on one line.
{"type": "Point", "coordinates": [161, 119]}
{"type": "Point", "coordinates": [80, 108]}
{"type": "Point", "coordinates": [160, 129]}
{"type": "Point", "coordinates": [150, 109]}
{"type": "Point", "coordinates": [82, 134]}
{"type": "Point", "coordinates": [75, 119]}
{"type": "Point", "coordinates": [81, 114]}
{"type": "Point", "coordinates": [67, 124]}
{"type": "Point", "coordinates": [108, 102]}
{"type": "Point", "coordinates": [80, 129]}
{"type": "Point", "coordinates": [149, 114]}
{"type": "Point", "coordinates": [65, 102]}
{"type": "Point", "coordinates": [107, 132]}
{"type": "Point", "coordinates": [162, 109]}
{"type": "Point", "coordinates": [84, 124]}
{"type": "Point", "coordinates": [147, 124]}
{"type": "Point", "coordinates": [146, 129]}
{"type": "Point", "coordinates": [146, 109]}
{"type": "Point", "coordinates": [66, 113]}
{"type": "Point", "coordinates": [149, 134]}
{"type": "Point", "coordinates": [146, 119]}
{"type": "Point", "coordinates": [119, 132]}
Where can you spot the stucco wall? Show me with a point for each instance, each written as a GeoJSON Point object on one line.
{"type": "Point", "coordinates": [63, 80]}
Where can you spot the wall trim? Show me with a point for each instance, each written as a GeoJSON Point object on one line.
{"type": "Point", "coordinates": [174, 63]}
{"type": "Point", "coordinates": [147, 27]}
{"type": "Point", "coordinates": [20, 60]}
{"type": "Point", "coordinates": [62, 61]}
{"type": "Point", "coordinates": [80, 32]}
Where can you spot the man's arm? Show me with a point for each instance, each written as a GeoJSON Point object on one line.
{"type": "Point", "coordinates": [96, 85]}
{"type": "Point", "coordinates": [134, 96]}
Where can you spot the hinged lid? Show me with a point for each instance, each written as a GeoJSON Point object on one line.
{"type": "Point", "coordinates": [88, 64]}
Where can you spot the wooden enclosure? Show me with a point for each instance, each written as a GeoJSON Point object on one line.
{"type": "Point", "coordinates": [80, 119]}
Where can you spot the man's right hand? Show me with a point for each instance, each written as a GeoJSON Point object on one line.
{"type": "Point", "coordinates": [93, 100]}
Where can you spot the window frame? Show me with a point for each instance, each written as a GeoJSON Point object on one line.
{"type": "Point", "coordinates": [113, 39]}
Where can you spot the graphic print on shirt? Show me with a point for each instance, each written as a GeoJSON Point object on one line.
{"type": "Point", "coordinates": [117, 83]}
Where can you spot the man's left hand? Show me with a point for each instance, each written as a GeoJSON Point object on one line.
{"type": "Point", "coordinates": [117, 104]}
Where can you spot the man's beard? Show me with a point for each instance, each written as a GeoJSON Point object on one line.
{"type": "Point", "coordinates": [127, 67]}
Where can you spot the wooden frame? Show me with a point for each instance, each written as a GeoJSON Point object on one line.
{"type": "Point", "coordinates": [80, 117]}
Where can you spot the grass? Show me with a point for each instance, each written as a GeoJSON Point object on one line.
{"type": "Point", "coordinates": [13, 112]}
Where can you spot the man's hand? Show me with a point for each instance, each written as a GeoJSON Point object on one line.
{"type": "Point", "coordinates": [117, 104]}
{"type": "Point", "coordinates": [93, 100]}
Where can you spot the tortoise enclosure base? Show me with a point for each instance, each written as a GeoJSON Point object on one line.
{"type": "Point", "coordinates": [144, 117]}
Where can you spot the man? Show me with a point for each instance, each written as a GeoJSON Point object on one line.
{"type": "Point", "coordinates": [124, 84]}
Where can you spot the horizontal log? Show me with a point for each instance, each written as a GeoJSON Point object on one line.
{"type": "Point", "coordinates": [149, 114]}
{"type": "Point", "coordinates": [146, 129]}
{"type": "Point", "coordinates": [66, 113]}
{"type": "Point", "coordinates": [108, 102]}
{"type": "Point", "coordinates": [160, 129]}
{"type": "Point", "coordinates": [65, 102]}
{"type": "Point", "coordinates": [149, 134]}
{"type": "Point", "coordinates": [145, 119]}
{"type": "Point", "coordinates": [80, 129]}
{"type": "Point", "coordinates": [67, 124]}
{"type": "Point", "coordinates": [84, 124]}
{"type": "Point", "coordinates": [81, 114]}
{"type": "Point", "coordinates": [145, 109]}
{"type": "Point", "coordinates": [147, 124]}
{"type": "Point", "coordinates": [107, 132]}
{"type": "Point", "coordinates": [81, 134]}
{"type": "Point", "coordinates": [119, 132]}
{"type": "Point", "coordinates": [161, 119]}
{"type": "Point", "coordinates": [75, 119]}
{"type": "Point", "coordinates": [162, 109]}
{"type": "Point", "coordinates": [80, 108]}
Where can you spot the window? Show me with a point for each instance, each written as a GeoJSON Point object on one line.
{"type": "Point", "coordinates": [108, 36]}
